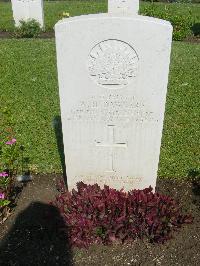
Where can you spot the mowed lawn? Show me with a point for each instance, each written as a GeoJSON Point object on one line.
{"type": "Point", "coordinates": [53, 11]}
{"type": "Point", "coordinates": [28, 86]}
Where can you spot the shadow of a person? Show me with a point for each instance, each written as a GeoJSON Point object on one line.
{"type": "Point", "coordinates": [36, 238]}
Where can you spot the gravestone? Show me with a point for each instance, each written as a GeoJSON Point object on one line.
{"type": "Point", "coordinates": [123, 7]}
{"type": "Point", "coordinates": [27, 10]}
{"type": "Point", "coordinates": [113, 73]}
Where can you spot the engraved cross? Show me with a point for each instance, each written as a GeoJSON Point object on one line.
{"type": "Point", "coordinates": [111, 144]}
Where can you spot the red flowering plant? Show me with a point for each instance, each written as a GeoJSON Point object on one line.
{"type": "Point", "coordinates": [9, 162]}
{"type": "Point", "coordinates": [9, 154]}
{"type": "Point", "coordinates": [95, 215]}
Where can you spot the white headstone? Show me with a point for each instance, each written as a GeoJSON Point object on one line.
{"type": "Point", "coordinates": [113, 74]}
{"type": "Point", "coordinates": [123, 7]}
{"type": "Point", "coordinates": [28, 9]}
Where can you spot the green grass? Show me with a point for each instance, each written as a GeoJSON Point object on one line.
{"type": "Point", "coordinates": [53, 11]}
{"type": "Point", "coordinates": [28, 85]}
{"type": "Point", "coordinates": [180, 145]}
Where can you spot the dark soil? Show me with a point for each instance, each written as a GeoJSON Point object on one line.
{"type": "Point", "coordinates": [193, 39]}
{"type": "Point", "coordinates": [30, 237]}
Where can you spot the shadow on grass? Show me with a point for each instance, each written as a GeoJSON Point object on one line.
{"type": "Point", "coordinates": [36, 238]}
{"type": "Point", "coordinates": [57, 123]}
{"type": "Point", "coordinates": [196, 29]}
{"type": "Point", "coordinates": [194, 176]}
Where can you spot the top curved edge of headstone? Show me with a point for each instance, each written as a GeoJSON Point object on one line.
{"type": "Point", "coordinates": [65, 21]}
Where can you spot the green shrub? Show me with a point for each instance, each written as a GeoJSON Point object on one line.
{"type": "Point", "coordinates": [181, 23]}
{"type": "Point", "coordinates": [181, 27]}
{"type": "Point", "coordinates": [28, 29]}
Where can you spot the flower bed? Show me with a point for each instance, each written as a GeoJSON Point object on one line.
{"type": "Point", "coordinates": [95, 215]}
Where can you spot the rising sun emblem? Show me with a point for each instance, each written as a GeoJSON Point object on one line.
{"type": "Point", "coordinates": [113, 64]}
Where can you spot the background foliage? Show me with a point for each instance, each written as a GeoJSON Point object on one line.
{"type": "Point", "coordinates": [182, 16]}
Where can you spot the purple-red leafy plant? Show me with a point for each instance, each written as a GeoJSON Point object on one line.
{"type": "Point", "coordinates": [95, 215]}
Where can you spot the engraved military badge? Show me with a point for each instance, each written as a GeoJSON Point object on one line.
{"type": "Point", "coordinates": [113, 63]}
